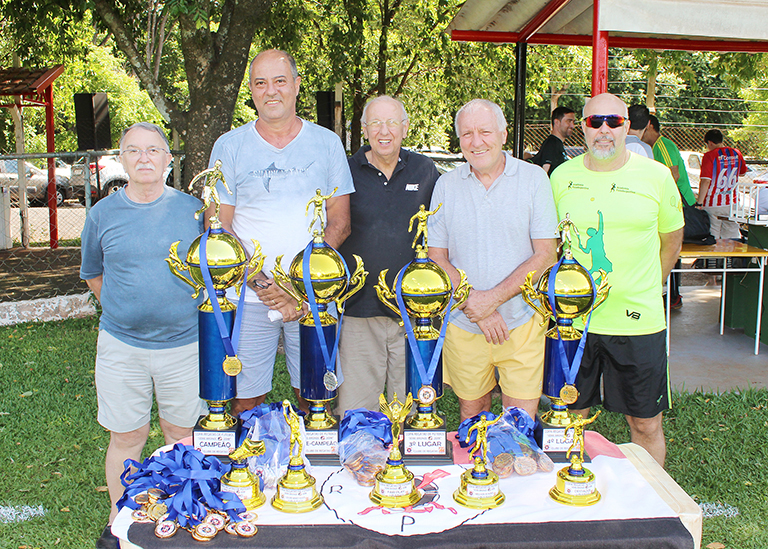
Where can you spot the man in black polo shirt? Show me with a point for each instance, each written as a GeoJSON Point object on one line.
{"type": "Point", "coordinates": [390, 185]}
{"type": "Point", "coordinates": [552, 151]}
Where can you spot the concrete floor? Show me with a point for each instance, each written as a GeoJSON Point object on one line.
{"type": "Point", "coordinates": [700, 358]}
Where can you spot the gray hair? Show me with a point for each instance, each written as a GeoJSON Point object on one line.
{"type": "Point", "coordinates": [475, 104]}
{"type": "Point", "coordinates": [288, 56]}
{"type": "Point", "coordinates": [144, 126]}
{"type": "Point", "coordinates": [383, 98]}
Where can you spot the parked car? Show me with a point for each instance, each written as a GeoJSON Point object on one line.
{"type": "Point", "coordinates": [444, 161]}
{"type": "Point", "coordinates": [37, 184]}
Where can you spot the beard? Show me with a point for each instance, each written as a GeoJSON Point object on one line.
{"type": "Point", "coordinates": [603, 154]}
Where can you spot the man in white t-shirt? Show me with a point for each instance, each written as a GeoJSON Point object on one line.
{"type": "Point", "coordinates": [639, 118]}
{"type": "Point", "coordinates": [274, 166]}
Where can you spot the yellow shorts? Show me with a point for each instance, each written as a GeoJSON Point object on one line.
{"type": "Point", "coordinates": [469, 362]}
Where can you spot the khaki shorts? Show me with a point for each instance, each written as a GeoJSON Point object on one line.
{"type": "Point", "coordinates": [469, 362]}
{"type": "Point", "coordinates": [126, 377]}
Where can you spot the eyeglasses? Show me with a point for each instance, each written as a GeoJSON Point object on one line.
{"type": "Point", "coordinates": [376, 124]}
{"type": "Point", "coordinates": [152, 152]}
{"type": "Point", "coordinates": [613, 120]}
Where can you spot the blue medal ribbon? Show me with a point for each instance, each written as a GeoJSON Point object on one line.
{"type": "Point", "coordinates": [426, 374]}
{"type": "Point", "coordinates": [230, 344]}
{"type": "Point", "coordinates": [190, 478]}
{"type": "Point", "coordinates": [375, 423]}
{"type": "Point", "coordinates": [569, 370]}
{"type": "Point", "coordinates": [329, 358]}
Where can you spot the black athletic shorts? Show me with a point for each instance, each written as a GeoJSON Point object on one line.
{"type": "Point", "coordinates": [633, 370]}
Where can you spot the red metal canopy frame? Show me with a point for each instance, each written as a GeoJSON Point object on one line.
{"type": "Point", "coordinates": [34, 88]}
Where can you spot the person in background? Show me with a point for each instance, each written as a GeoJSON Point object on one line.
{"type": "Point", "coordinates": [552, 151]}
{"type": "Point", "coordinates": [639, 117]}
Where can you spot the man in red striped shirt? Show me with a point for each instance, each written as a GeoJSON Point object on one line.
{"type": "Point", "coordinates": [720, 170]}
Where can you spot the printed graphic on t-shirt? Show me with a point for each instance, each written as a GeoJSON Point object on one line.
{"type": "Point", "coordinates": [273, 172]}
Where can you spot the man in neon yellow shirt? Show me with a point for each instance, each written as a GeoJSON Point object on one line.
{"type": "Point", "coordinates": [629, 215]}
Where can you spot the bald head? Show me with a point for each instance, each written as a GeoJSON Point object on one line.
{"type": "Point", "coordinates": [605, 132]}
{"type": "Point", "coordinates": [605, 103]}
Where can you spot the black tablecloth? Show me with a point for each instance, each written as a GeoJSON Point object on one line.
{"type": "Point", "coordinates": [661, 533]}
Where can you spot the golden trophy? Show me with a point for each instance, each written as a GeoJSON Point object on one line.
{"type": "Point", "coordinates": [319, 275]}
{"type": "Point", "coordinates": [239, 480]}
{"type": "Point", "coordinates": [575, 484]}
{"type": "Point", "coordinates": [224, 264]}
{"type": "Point", "coordinates": [479, 488]}
{"type": "Point", "coordinates": [394, 485]}
{"type": "Point", "coordinates": [296, 491]}
{"type": "Point", "coordinates": [574, 294]}
{"type": "Point", "coordinates": [422, 291]}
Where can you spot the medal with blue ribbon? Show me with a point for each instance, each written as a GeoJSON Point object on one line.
{"type": "Point", "coordinates": [330, 381]}
{"type": "Point", "coordinates": [426, 394]}
{"type": "Point", "coordinates": [568, 393]}
{"type": "Point", "coordinates": [231, 364]}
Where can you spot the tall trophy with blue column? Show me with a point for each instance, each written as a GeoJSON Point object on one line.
{"type": "Point", "coordinates": [216, 260]}
{"type": "Point", "coordinates": [564, 292]}
{"type": "Point", "coordinates": [422, 293]}
{"type": "Point", "coordinates": [319, 275]}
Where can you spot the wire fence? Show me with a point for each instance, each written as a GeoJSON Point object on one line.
{"type": "Point", "coordinates": [32, 265]}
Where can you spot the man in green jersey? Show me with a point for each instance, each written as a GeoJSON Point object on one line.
{"type": "Point", "coordinates": [629, 216]}
{"type": "Point", "coordinates": [666, 152]}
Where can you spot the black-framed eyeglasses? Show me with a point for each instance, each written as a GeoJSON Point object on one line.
{"type": "Point", "coordinates": [612, 120]}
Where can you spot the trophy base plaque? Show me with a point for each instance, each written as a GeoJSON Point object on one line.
{"type": "Point", "coordinates": [479, 491]}
{"type": "Point", "coordinates": [550, 436]}
{"type": "Point", "coordinates": [427, 446]}
{"type": "Point", "coordinates": [395, 487]}
{"type": "Point", "coordinates": [296, 492]}
{"type": "Point", "coordinates": [322, 445]}
{"type": "Point", "coordinates": [575, 487]}
{"type": "Point", "coordinates": [218, 442]}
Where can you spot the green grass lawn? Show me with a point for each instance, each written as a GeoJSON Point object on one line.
{"type": "Point", "coordinates": [52, 449]}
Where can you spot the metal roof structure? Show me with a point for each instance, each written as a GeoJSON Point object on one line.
{"type": "Point", "coordinates": [34, 88]}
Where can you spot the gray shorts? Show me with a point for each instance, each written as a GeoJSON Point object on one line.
{"type": "Point", "coordinates": [126, 377]}
{"type": "Point", "coordinates": [257, 348]}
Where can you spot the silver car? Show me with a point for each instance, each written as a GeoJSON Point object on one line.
{"type": "Point", "coordinates": [37, 184]}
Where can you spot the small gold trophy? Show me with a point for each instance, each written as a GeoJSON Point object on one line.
{"type": "Point", "coordinates": [479, 488]}
{"type": "Point", "coordinates": [239, 480]}
{"type": "Point", "coordinates": [575, 484]}
{"type": "Point", "coordinates": [296, 491]}
{"type": "Point", "coordinates": [324, 279]}
{"type": "Point", "coordinates": [224, 265]}
{"type": "Point", "coordinates": [573, 294]}
{"type": "Point", "coordinates": [421, 294]}
{"type": "Point", "coordinates": [394, 485]}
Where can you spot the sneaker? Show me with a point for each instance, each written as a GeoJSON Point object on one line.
{"type": "Point", "coordinates": [677, 303]}
{"type": "Point", "coordinates": [107, 539]}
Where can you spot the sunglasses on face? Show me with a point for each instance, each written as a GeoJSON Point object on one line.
{"type": "Point", "coordinates": [597, 120]}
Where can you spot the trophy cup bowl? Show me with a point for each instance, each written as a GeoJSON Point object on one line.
{"type": "Point", "coordinates": [326, 271]}
{"type": "Point", "coordinates": [226, 260]}
{"type": "Point", "coordinates": [426, 289]}
{"type": "Point", "coordinates": [574, 296]}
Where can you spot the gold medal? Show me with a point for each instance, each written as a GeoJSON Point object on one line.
{"type": "Point", "coordinates": [232, 366]}
{"type": "Point", "coordinates": [246, 529]}
{"type": "Point", "coordinates": [569, 394]}
{"type": "Point", "coordinates": [166, 529]}
{"type": "Point", "coordinates": [204, 532]}
{"type": "Point", "coordinates": [141, 499]}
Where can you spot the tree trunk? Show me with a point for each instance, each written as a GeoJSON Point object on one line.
{"type": "Point", "coordinates": [214, 63]}
{"type": "Point", "coordinates": [358, 102]}
{"type": "Point", "coordinates": [650, 91]}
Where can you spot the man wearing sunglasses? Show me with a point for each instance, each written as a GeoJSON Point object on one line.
{"type": "Point", "coordinates": [629, 216]}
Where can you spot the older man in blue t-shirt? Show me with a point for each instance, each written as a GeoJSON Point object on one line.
{"type": "Point", "coordinates": [148, 327]}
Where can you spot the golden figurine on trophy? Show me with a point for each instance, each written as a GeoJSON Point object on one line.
{"type": "Point", "coordinates": [319, 275]}
{"type": "Point", "coordinates": [296, 492]}
{"type": "Point", "coordinates": [394, 485]}
{"type": "Point", "coordinates": [479, 488]}
{"type": "Point", "coordinates": [421, 294]}
{"type": "Point", "coordinates": [239, 480]}
{"type": "Point", "coordinates": [575, 484]}
{"type": "Point", "coordinates": [216, 260]}
{"type": "Point", "coordinates": [565, 291]}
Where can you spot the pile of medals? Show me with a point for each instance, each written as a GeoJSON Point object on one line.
{"type": "Point", "coordinates": [527, 463]}
{"type": "Point", "coordinates": [364, 468]}
{"type": "Point", "coordinates": [154, 510]}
